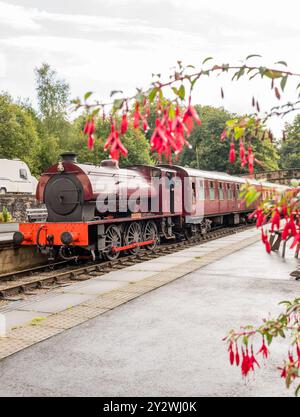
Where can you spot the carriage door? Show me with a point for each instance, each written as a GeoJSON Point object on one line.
{"type": "Point", "coordinates": [171, 190]}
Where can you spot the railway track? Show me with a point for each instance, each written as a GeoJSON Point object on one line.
{"type": "Point", "coordinates": [20, 284]}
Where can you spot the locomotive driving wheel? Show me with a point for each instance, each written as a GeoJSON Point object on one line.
{"type": "Point", "coordinates": [133, 234]}
{"type": "Point", "coordinates": [113, 239]}
{"type": "Point", "coordinates": [150, 233]}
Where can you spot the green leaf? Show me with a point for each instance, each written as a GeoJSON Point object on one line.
{"type": "Point", "coordinates": [171, 113]}
{"type": "Point", "coordinates": [181, 92]}
{"type": "Point", "coordinates": [282, 63]}
{"type": "Point", "coordinates": [297, 390]}
{"type": "Point", "coordinates": [272, 74]}
{"type": "Point", "coordinates": [238, 132]}
{"type": "Point", "coordinates": [269, 338]}
{"type": "Point", "coordinates": [207, 59]}
{"type": "Point", "coordinates": [283, 82]}
{"type": "Point", "coordinates": [152, 94]}
{"type": "Point", "coordinates": [252, 56]}
{"type": "Point", "coordinates": [87, 95]}
{"type": "Point", "coordinates": [113, 92]}
{"type": "Point", "coordinates": [118, 103]}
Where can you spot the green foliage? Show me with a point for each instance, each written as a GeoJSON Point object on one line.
{"type": "Point", "coordinates": [19, 136]}
{"type": "Point", "coordinates": [209, 153]}
{"type": "Point", "coordinates": [53, 96]}
{"type": "Point", "coordinates": [5, 216]}
{"type": "Point", "coordinates": [290, 149]}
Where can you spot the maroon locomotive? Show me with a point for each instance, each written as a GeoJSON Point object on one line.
{"type": "Point", "coordinates": [100, 211]}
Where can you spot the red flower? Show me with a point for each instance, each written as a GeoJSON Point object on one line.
{"type": "Point", "coordinates": [223, 135]}
{"type": "Point", "coordinates": [90, 142]}
{"type": "Point", "coordinates": [116, 146]}
{"type": "Point", "coordinates": [295, 241]}
{"type": "Point", "coordinates": [246, 363]}
{"type": "Point", "coordinates": [145, 125]}
{"type": "Point", "coordinates": [89, 127]}
{"type": "Point", "coordinates": [124, 124]}
{"type": "Point", "coordinates": [237, 355]}
{"type": "Point", "coordinates": [264, 349]}
{"type": "Point", "coordinates": [265, 240]}
{"type": "Point", "coordinates": [136, 117]}
{"type": "Point", "coordinates": [231, 353]}
{"type": "Point", "coordinates": [232, 153]}
{"type": "Point", "coordinates": [189, 117]}
{"type": "Point", "coordinates": [253, 360]}
{"type": "Point", "coordinates": [275, 221]}
{"type": "Point", "coordinates": [242, 152]}
{"type": "Point", "coordinates": [250, 160]}
{"type": "Point", "coordinates": [289, 229]}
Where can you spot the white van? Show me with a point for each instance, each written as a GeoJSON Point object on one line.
{"type": "Point", "coordinates": [15, 177]}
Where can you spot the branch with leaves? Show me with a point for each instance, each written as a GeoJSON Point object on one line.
{"type": "Point", "coordinates": [241, 344]}
{"type": "Point", "coordinates": [176, 115]}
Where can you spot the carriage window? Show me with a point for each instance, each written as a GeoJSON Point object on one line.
{"type": "Point", "coordinates": [237, 190]}
{"type": "Point", "coordinates": [211, 190]}
{"type": "Point", "coordinates": [221, 193]}
{"type": "Point", "coordinates": [229, 191]}
{"type": "Point", "coordinates": [23, 173]}
{"type": "Point", "coordinates": [201, 190]}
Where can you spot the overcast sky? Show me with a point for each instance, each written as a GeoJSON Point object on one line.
{"type": "Point", "coordinates": [116, 44]}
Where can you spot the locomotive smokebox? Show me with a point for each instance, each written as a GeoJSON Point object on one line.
{"type": "Point", "coordinates": [69, 157]}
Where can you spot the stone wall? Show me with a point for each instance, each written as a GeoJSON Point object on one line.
{"type": "Point", "coordinates": [17, 205]}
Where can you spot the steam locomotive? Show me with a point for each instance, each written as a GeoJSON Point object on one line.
{"type": "Point", "coordinates": [99, 211]}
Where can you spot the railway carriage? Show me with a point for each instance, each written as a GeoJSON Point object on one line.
{"type": "Point", "coordinates": [100, 211]}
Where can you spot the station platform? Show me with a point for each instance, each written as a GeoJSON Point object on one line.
{"type": "Point", "coordinates": [154, 328]}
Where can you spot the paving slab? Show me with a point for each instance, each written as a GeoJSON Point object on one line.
{"type": "Point", "coordinates": [98, 286]}
{"type": "Point", "coordinates": [18, 318]}
{"type": "Point", "coordinates": [56, 303]}
{"type": "Point", "coordinates": [125, 275]}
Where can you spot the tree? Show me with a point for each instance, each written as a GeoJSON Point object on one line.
{"type": "Point", "coordinates": [53, 99]}
{"type": "Point", "coordinates": [209, 153]}
{"type": "Point", "coordinates": [18, 133]}
{"type": "Point", "coordinates": [290, 148]}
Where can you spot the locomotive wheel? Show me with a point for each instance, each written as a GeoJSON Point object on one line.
{"type": "Point", "coordinates": [133, 234]}
{"type": "Point", "coordinates": [150, 233]}
{"type": "Point", "coordinates": [113, 239]}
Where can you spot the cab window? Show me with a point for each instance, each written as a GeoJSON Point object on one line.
{"type": "Point", "coordinates": [23, 174]}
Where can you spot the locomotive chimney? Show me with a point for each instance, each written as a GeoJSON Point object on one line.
{"type": "Point", "coordinates": [69, 157]}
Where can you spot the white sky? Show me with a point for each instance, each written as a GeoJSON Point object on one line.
{"type": "Point", "coordinates": [116, 44]}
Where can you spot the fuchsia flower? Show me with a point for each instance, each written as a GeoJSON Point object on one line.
{"type": "Point", "coordinates": [232, 153]}
{"type": "Point", "coordinates": [289, 228]}
{"type": "Point", "coordinates": [136, 117]}
{"type": "Point", "coordinates": [275, 221]}
{"type": "Point", "coordinates": [250, 160]}
{"type": "Point", "coordinates": [231, 353]}
{"type": "Point", "coordinates": [124, 124]}
{"type": "Point", "coordinates": [223, 135]}
{"type": "Point", "coordinates": [190, 116]}
{"type": "Point", "coordinates": [90, 142]}
{"type": "Point", "coordinates": [114, 143]}
{"type": "Point", "coordinates": [265, 240]}
{"type": "Point", "coordinates": [264, 349]}
{"type": "Point", "coordinates": [89, 129]}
